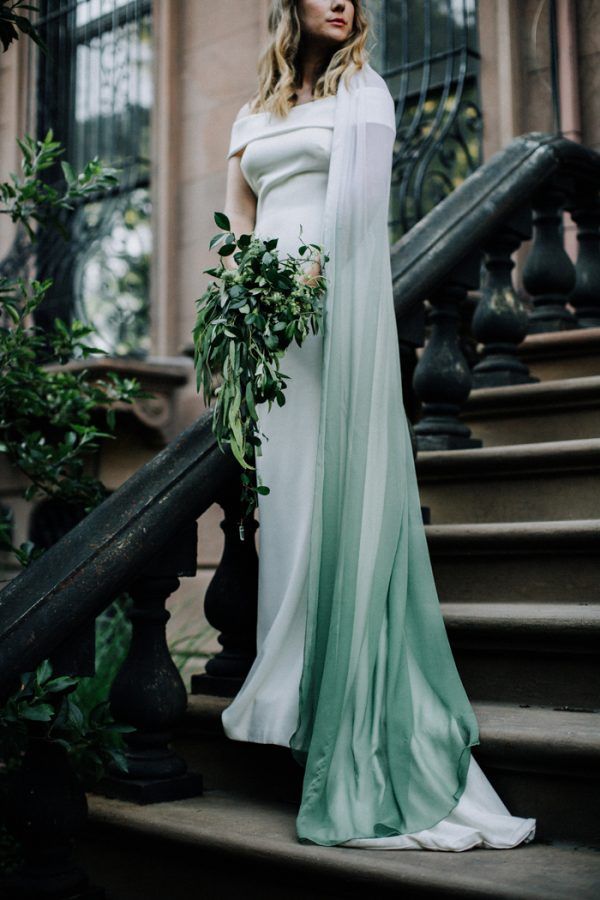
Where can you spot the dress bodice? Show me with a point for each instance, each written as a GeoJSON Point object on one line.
{"type": "Point", "coordinates": [286, 164]}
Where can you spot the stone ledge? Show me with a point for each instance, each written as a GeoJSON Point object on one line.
{"type": "Point", "coordinates": [564, 625]}
{"type": "Point", "coordinates": [560, 344]}
{"type": "Point", "coordinates": [541, 733]}
{"type": "Point", "coordinates": [522, 399]}
{"type": "Point", "coordinates": [505, 461]}
{"type": "Point", "coordinates": [554, 538]}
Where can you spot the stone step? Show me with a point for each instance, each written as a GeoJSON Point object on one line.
{"type": "Point", "coordinates": [546, 654]}
{"type": "Point", "coordinates": [543, 654]}
{"type": "Point", "coordinates": [543, 762]}
{"type": "Point", "coordinates": [549, 562]}
{"type": "Point", "coordinates": [519, 483]}
{"type": "Point", "coordinates": [226, 845]}
{"type": "Point", "coordinates": [562, 354]}
{"type": "Point", "coordinates": [554, 410]}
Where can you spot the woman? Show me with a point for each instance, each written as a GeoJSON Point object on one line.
{"type": "Point", "coordinates": [353, 669]}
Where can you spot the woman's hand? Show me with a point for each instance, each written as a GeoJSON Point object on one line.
{"type": "Point", "coordinates": [313, 269]}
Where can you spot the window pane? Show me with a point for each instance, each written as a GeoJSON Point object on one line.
{"type": "Point", "coordinates": [95, 92]}
{"type": "Point", "coordinates": [116, 265]}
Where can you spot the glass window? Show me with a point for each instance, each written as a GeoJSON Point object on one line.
{"type": "Point", "coordinates": [427, 51]}
{"type": "Point", "coordinates": [95, 90]}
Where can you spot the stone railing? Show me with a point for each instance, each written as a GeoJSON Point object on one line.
{"type": "Point", "coordinates": [467, 244]}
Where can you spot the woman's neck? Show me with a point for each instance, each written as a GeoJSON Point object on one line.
{"type": "Point", "coordinates": [313, 62]}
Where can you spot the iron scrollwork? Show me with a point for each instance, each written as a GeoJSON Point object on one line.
{"type": "Point", "coordinates": [427, 52]}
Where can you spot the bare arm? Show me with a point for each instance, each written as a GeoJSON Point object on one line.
{"type": "Point", "coordinates": [240, 200]}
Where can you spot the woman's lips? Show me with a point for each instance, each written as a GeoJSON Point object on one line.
{"type": "Point", "coordinates": [336, 22]}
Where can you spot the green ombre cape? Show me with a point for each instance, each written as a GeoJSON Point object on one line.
{"type": "Point", "coordinates": [385, 727]}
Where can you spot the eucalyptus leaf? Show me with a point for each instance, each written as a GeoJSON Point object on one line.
{"type": "Point", "coordinates": [41, 713]}
{"type": "Point", "coordinates": [222, 221]}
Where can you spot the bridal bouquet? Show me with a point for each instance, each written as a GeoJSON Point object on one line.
{"type": "Point", "coordinates": [245, 321]}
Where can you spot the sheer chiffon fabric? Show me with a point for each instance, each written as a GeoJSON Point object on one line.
{"type": "Point", "coordinates": [384, 728]}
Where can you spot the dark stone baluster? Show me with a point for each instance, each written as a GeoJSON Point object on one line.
{"type": "Point", "coordinates": [231, 603]}
{"type": "Point", "coordinates": [586, 294]}
{"type": "Point", "coordinates": [408, 364]}
{"type": "Point", "coordinates": [46, 808]}
{"type": "Point", "coordinates": [500, 321]}
{"type": "Point", "coordinates": [148, 691]}
{"type": "Point", "coordinates": [411, 334]}
{"type": "Point", "coordinates": [442, 379]}
{"type": "Point", "coordinates": [549, 274]}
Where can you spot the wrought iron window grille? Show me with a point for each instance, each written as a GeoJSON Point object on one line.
{"type": "Point", "coordinates": [427, 51]}
{"type": "Point", "coordinates": [94, 89]}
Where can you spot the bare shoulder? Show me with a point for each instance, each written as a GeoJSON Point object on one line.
{"type": "Point", "coordinates": [243, 111]}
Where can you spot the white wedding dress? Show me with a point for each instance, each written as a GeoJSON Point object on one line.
{"type": "Point", "coordinates": [285, 161]}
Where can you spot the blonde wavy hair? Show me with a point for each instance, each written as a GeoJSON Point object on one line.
{"type": "Point", "coordinates": [278, 74]}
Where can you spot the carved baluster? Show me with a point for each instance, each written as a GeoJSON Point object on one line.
{"type": "Point", "coordinates": [231, 604]}
{"type": "Point", "coordinates": [549, 274]}
{"type": "Point", "coordinates": [411, 334]}
{"type": "Point", "coordinates": [500, 321]}
{"type": "Point", "coordinates": [586, 294]}
{"type": "Point", "coordinates": [148, 691]}
{"type": "Point", "coordinates": [442, 378]}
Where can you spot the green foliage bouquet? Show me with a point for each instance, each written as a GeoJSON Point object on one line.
{"type": "Point", "coordinates": [245, 321]}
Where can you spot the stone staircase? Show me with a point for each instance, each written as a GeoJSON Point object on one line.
{"type": "Point", "coordinates": [515, 546]}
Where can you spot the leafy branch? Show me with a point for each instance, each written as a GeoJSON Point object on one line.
{"type": "Point", "coordinates": [28, 196]}
{"type": "Point", "coordinates": [42, 708]}
{"type": "Point", "coordinates": [49, 413]}
{"type": "Point", "coordinates": [10, 21]}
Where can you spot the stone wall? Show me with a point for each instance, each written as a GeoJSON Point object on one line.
{"type": "Point", "coordinates": [588, 37]}
{"type": "Point", "coordinates": [219, 51]}
{"type": "Point", "coordinates": [13, 65]}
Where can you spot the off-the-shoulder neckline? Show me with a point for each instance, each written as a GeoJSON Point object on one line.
{"type": "Point", "coordinates": [266, 112]}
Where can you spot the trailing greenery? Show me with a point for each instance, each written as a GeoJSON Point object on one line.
{"type": "Point", "coordinates": [246, 319]}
